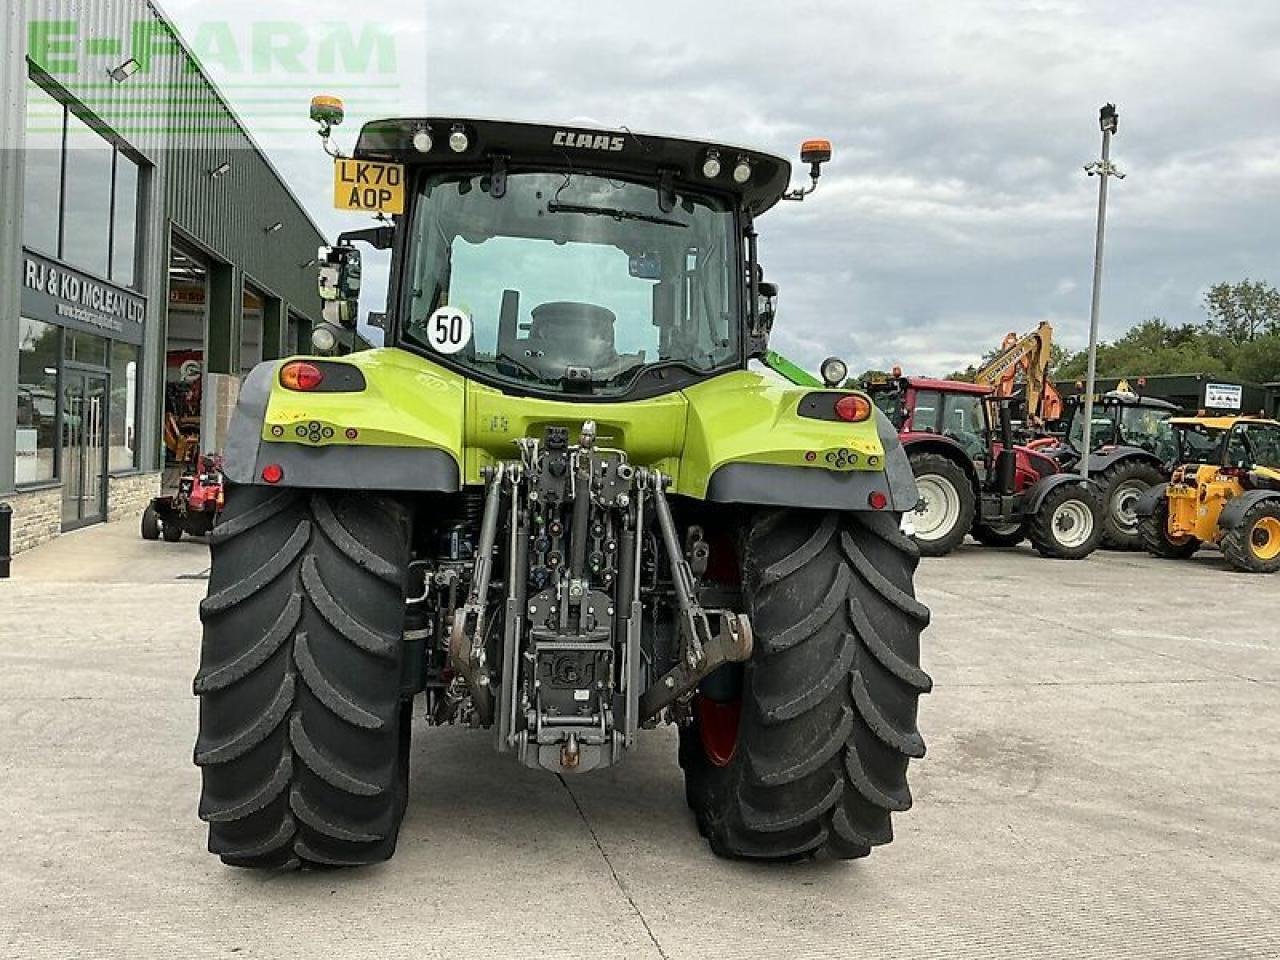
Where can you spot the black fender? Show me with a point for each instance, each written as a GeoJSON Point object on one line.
{"type": "Point", "coordinates": [1232, 515]}
{"type": "Point", "coordinates": [1145, 506]}
{"type": "Point", "coordinates": [817, 488]}
{"type": "Point", "coordinates": [1033, 497]}
{"type": "Point", "coordinates": [325, 468]}
{"type": "Point", "coordinates": [1098, 462]}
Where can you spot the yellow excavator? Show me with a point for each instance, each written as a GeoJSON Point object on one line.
{"type": "Point", "coordinates": [1028, 354]}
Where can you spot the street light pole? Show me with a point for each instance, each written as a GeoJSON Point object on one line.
{"type": "Point", "coordinates": [1104, 169]}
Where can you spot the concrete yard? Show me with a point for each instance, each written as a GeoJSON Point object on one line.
{"type": "Point", "coordinates": [1103, 780]}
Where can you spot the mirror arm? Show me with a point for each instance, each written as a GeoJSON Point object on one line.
{"type": "Point", "coordinates": [380, 238]}
{"type": "Point", "coordinates": [815, 171]}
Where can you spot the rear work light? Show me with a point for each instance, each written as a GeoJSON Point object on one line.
{"type": "Point", "coordinates": [853, 408]}
{"type": "Point", "coordinates": [300, 375]}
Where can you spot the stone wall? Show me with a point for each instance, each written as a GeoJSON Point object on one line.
{"type": "Point", "coordinates": [37, 516]}
{"type": "Point", "coordinates": [128, 496]}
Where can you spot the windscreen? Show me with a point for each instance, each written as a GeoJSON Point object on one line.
{"type": "Point", "coordinates": [571, 280]}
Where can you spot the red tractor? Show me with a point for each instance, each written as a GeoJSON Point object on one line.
{"type": "Point", "coordinates": [193, 508]}
{"type": "Point", "coordinates": [973, 479]}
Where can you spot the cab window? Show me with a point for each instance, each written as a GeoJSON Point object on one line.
{"type": "Point", "coordinates": [925, 413]}
{"type": "Point", "coordinates": [964, 422]}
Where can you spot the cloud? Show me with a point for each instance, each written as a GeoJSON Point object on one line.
{"type": "Point", "coordinates": [956, 208]}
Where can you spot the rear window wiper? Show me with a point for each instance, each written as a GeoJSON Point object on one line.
{"type": "Point", "coordinates": [554, 207]}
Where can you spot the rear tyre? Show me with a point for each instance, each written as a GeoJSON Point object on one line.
{"type": "Point", "coordinates": [303, 733]}
{"type": "Point", "coordinates": [1122, 486]}
{"type": "Point", "coordinates": [171, 532]}
{"type": "Point", "coordinates": [150, 523]}
{"type": "Point", "coordinates": [1254, 546]}
{"type": "Point", "coordinates": [827, 722]}
{"type": "Point", "coordinates": [1154, 531]}
{"type": "Point", "coordinates": [1068, 524]}
{"type": "Point", "coordinates": [1000, 534]}
{"type": "Point", "coordinates": [945, 511]}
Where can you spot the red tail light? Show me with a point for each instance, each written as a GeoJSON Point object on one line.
{"type": "Point", "coordinates": [300, 375]}
{"type": "Point", "coordinates": [273, 473]}
{"type": "Point", "coordinates": [854, 408]}
{"type": "Point", "coordinates": [876, 500]}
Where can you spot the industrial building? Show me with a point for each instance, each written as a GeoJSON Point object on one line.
{"type": "Point", "coordinates": [150, 254]}
{"type": "Point", "coordinates": [1191, 392]}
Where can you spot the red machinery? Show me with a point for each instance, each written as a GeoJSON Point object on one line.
{"type": "Point", "coordinates": [974, 479]}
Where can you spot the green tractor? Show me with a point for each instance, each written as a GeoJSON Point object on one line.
{"type": "Point", "coordinates": [561, 505]}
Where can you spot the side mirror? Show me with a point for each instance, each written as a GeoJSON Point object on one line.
{"type": "Point", "coordinates": [768, 305]}
{"type": "Point", "coordinates": [340, 273]}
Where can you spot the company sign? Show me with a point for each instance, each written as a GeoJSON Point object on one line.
{"type": "Point", "coordinates": [1223, 396]}
{"type": "Point", "coordinates": [55, 293]}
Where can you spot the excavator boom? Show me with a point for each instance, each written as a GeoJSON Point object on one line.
{"type": "Point", "coordinates": [1030, 354]}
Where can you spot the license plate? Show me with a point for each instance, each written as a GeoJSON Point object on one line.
{"type": "Point", "coordinates": [368, 187]}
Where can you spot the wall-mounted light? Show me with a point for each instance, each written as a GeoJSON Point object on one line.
{"type": "Point", "coordinates": [126, 70]}
{"type": "Point", "coordinates": [220, 171]}
{"type": "Point", "coordinates": [275, 227]}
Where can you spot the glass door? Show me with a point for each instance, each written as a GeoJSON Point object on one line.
{"type": "Point", "coordinates": [84, 448]}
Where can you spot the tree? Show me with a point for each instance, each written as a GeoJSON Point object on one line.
{"type": "Point", "coordinates": [1259, 360]}
{"type": "Point", "coordinates": [1243, 311]}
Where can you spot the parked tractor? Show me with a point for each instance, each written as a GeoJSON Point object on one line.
{"type": "Point", "coordinates": [974, 479]}
{"type": "Point", "coordinates": [192, 508]}
{"type": "Point", "coordinates": [1133, 450]}
{"type": "Point", "coordinates": [558, 506]}
{"type": "Point", "coordinates": [1225, 491]}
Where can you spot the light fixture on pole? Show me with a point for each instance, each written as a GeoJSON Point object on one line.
{"type": "Point", "coordinates": [221, 170]}
{"type": "Point", "coordinates": [1104, 170]}
{"type": "Point", "coordinates": [275, 227]}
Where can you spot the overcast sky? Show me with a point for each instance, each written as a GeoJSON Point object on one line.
{"type": "Point", "coordinates": [956, 208]}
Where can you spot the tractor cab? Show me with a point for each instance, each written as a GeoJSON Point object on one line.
{"type": "Point", "coordinates": [552, 260]}
{"type": "Point", "coordinates": [1120, 419]}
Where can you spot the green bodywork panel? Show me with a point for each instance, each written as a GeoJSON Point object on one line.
{"type": "Point", "coordinates": [410, 402]}
{"type": "Point", "coordinates": [791, 371]}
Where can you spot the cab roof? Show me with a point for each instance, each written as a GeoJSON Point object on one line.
{"type": "Point", "coordinates": [1219, 423]}
{"type": "Point", "coordinates": [577, 147]}
{"type": "Point", "coordinates": [942, 386]}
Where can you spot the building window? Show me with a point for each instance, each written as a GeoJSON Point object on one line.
{"type": "Point", "coordinates": [37, 437]}
{"type": "Point", "coordinates": [296, 339]}
{"type": "Point", "coordinates": [82, 193]}
{"type": "Point", "coordinates": [86, 199]}
{"type": "Point", "coordinates": [123, 439]}
{"type": "Point", "coordinates": [251, 329]}
{"type": "Point", "coordinates": [87, 349]}
{"type": "Point", "coordinates": [124, 223]}
{"type": "Point", "coordinates": [42, 171]}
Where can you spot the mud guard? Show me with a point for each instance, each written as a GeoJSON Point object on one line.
{"type": "Point", "coordinates": [326, 468]}
{"type": "Point", "coordinates": [820, 489]}
{"type": "Point", "coordinates": [1098, 462]}
{"type": "Point", "coordinates": [1145, 505]}
{"type": "Point", "coordinates": [1232, 515]}
{"type": "Point", "coordinates": [1034, 497]}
